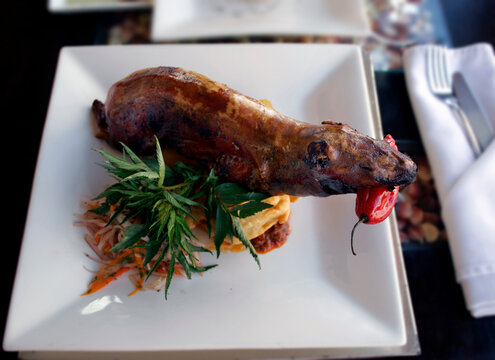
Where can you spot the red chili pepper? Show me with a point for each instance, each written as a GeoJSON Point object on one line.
{"type": "Point", "coordinates": [373, 205]}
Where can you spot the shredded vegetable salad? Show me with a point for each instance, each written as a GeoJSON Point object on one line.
{"type": "Point", "coordinates": [102, 237]}
{"type": "Point", "coordinates": [141, 224]}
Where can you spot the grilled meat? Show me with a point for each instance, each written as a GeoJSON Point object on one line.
{"type": "Point", "coordinates": [245, 140]}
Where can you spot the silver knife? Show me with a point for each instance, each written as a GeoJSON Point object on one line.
{"type": "Point", "coordinates": [480, 124]}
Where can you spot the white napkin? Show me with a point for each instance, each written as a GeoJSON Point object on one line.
{"type": "Point", "coordinates": [466, 186]}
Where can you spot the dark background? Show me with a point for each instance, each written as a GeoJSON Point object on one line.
{"type": "Point", "coordinates": [32, 38]}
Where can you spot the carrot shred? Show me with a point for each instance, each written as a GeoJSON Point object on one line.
{"type": "Point", "coordinates": [97, 238]}
{"type": "Point", "coordinates": [134, 292]}
{"type": "Point", "coordinates": [102, 280]}
{"type": "Point", "coordinates": [139, 265]}
{"type": "Point", "coordinates": [106, 275]}
{"type": "Point", "coordinates": [178, 271]}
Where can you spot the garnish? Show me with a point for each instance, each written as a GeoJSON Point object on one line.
{"type": "Point", "coordinates": [374, 205]}
{"type": "Point", "coordinates": [156, 200]}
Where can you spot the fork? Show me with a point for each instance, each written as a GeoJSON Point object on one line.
{"type": "Point", "coordinates": [439, 80]}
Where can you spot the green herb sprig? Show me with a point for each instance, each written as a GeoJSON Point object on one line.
{"type": "Point", "coordinates": [161, 197]}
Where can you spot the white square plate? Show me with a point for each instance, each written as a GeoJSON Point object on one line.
{"type": "Point", "coordinates": [173, 20]}
{"type": "Point", "coordinates": [312, 297]}
{"type": "Point", "coordinates": [58, 6]}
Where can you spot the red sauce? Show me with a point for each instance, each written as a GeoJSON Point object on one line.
{"type": "Point", "coordinates": [271, 239]}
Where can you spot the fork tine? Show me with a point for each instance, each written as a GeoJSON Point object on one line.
{"type": "Point", "coordinates": [442, 78]}
{"type": "Point", "coordinates": [445, 67]}
{"type": "Point", "coordinates": [437, 55]}
{"type": "Point", "coordinates": [430, 73]}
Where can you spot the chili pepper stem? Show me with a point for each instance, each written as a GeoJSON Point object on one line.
{"type": "Point", "coordinates": [362, 219]}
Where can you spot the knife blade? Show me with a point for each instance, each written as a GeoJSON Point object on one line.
{"type": "Point", "coordinates": [480, 124]}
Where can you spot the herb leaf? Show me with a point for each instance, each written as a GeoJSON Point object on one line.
{"type": "Point", "coordinates": [239, 233]}
{"type": "Point", "coordinates": [234, 194]}
{"type": "Point", "coordinates": [161, 197]}
{"type": "Point", "coordinates": [223, 227]}
{"type": "Point", "coordinates": [249, 208]}
{"type": "Point", "coordinates": [132, 235]}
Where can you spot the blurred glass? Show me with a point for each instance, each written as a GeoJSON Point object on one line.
{"type": "Point", "coordinates": [398, 22]}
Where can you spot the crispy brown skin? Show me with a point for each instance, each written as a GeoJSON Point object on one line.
{"type": "Point", "coordinates": [244, 139]}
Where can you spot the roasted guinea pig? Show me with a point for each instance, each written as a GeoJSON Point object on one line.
{"type": "Point", "coordinates": [243, 139]}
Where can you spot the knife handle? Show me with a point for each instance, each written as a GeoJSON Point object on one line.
{"type": "Point", "coordinates": [468, 130]}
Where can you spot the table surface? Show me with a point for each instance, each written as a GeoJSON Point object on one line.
{"type": "Point", "coordinates": [33, 38]}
